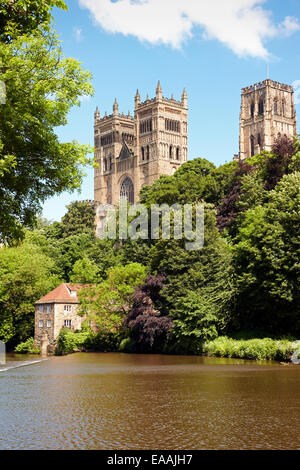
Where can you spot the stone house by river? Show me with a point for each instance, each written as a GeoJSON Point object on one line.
{"type": "Point", "coordinates": [56, 310]}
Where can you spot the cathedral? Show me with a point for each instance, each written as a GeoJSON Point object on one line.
{"type": "Point", "coordinates": [133, 151]}
{"type": "Point", "coordinates": [267, 111]}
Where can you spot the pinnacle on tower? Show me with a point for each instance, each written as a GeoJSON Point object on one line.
{"type": "Point", "coordinates": [116, 107]}
{"type": "Point", "coordinates": [137, 98]}
{"type": "Point", "coordinates": [97, 113]}
{"type": "Point", "coordinates": [184, 98]}
{"type": "Point", "coordinates": [158, 91]}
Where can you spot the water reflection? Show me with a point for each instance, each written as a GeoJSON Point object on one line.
{"type": "Point", "coordinates": [119, 401]}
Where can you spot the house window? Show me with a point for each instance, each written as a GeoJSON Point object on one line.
{"type": "Point", "coordinates": [49, 308]}
{"type": "Point", "coordinates": [68, 323]}
{"type": "Point", "coordinates": [67, 308]}
{"type": "Point", "coordinates": [73, 292]}
{"type": "Point", "coordinates": [41, 324]}
{"type": "Point", "coordinates": [48, 323]}
{"type": "Point", "coordinates": [41, 308]}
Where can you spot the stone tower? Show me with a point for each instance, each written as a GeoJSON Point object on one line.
{"type": "Point", "coordinates": [135, 151]}
{"type": "Point", "coordinates": [267, 111]}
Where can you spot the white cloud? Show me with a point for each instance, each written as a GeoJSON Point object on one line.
{"type": "Point", "coordinates": [78, 34]}
{"type": "Point", "coordinates": [242, 25]}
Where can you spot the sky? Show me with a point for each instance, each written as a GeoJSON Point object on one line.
{"type": "Point", "coordinates": [212, 48]}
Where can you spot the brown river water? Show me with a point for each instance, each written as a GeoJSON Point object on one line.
{"type": "Point", "coordinates": [120, 401]}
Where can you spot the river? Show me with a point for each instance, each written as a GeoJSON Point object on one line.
{"type": "Point", "coordinates": [120, 401]}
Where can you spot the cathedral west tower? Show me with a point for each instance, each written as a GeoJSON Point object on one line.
{"type": "Point", "coordinates": [135, 151]}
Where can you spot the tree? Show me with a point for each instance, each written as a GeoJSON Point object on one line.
{"type": "Point", "coordinates": [26, 274]}
{"type": "Point", "coordinates": [80, 218]}
{"type": "Point", "coordinates": [266, 255]}
{"type": "Point", "coordinates": [109, 302]}
{"type": "Point", "coordinates": [196, 180]}
{"type": "Point", "coordinates": [148, 328]}
{"type": "Point", "coordinates": [25, 16]}
{"type": "Point", "coordinates": [84, 271]}
{"type": "Point", "coordinates": [229, 207]}
{"type": "Point", "coordinates": [41, 87]}
{"type": "Point", "coordinates": [278, 163]}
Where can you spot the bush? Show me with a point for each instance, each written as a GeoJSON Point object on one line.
{"type": "Point", "coordinates": [27, 347]}
{"type": "Point", "coordinates": [85, 340]}
{"type": "Point", "coordinates": [127, 345]}
{"type": "Point", "coordinates": [69, 341]}
{"type": "Point", "coordinates": [257, 349]}
{"type": "Point", "coordinates": [103, 341]}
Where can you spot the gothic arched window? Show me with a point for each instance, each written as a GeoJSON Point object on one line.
{"type": "Point", "coordinates": [252, 143]}
{"type": "Point", "coordinates": [261, 107]}
{"type": "Point", "coordinates": [177, 153]}
{"type": "Point", "coordinates": [127, 190]}
{"type": "Point", "coordinates": [148, 152]}
{"type": "Point", "coordinates": [252, 109]}
{"type": "Point", "coordinates": [276, 107]}
{"type": "Point", "coordinates": [171, 151]}
{"type": "Point", "coordinates": [143, 153]}
{"type": "Point", "coordinates": [259, 139]}
{"type": "Point", "coordinates": [105, 164]}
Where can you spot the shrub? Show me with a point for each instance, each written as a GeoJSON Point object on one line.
{"type": "Point", "coordinates": [69, 341]}
{"type": "Point", "coordinates": [258, 349]}
{"type": "Point", "coordinates": [27, 347]}
{"type": "Point", "coordinates": [104, 341]}
{"type": "Point", "coordinates": [127, 345]}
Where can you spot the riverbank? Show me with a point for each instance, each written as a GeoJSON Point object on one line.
{"type": "Point", "coordinates": [258, 349]}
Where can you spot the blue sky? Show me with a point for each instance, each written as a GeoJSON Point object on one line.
{"type": "Point", "coordinates": [212, 48]}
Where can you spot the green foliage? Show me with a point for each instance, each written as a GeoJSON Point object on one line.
{"type": "Point", "coordinates": [258, 349]}
{"type": "Point", "coordinates": [79, 218]}
{"type": "Point", "coordinates": [85, 340]}
{"type": "Point", "coordinates": [85, 271]}
{"type": "Point", "coordinates": [127, 345]}
{"type": "Point", "coordinates": [26, 274]}
{"type": "Point", "coordinates": [194, 181]}
{"type": "Point", "coordinates": [41, 87]}
{"type": "Point", "coordinates": [25, 16]}
{"type": "Point", "coordinates": [267, 254]}
{"type": "Point", "coordinates": [104, 341]}
{"type": "Point", "coordinates": [69, 341]}
{"type": "Point", "coordinates": [27, 347]}
{"type": "Point", "coordinates": [109, 302]}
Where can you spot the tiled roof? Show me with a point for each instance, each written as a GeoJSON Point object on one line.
{"type": "Point", "coordinates": [62, 293]}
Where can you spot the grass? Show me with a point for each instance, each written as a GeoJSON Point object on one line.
{"type": "Point", "coordinates": [257, 349]}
